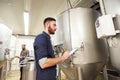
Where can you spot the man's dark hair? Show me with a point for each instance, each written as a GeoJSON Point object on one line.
{"type": "Point", "coordinates": [48, 19]}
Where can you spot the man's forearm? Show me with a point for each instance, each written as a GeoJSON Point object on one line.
{"type": "Point", "coordinates": [51, 62]}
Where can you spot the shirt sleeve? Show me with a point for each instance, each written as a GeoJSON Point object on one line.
{"type": "Point", "coordinates": [40, 48]}
{"type": "Point", "coordinates": [42, 61]}
{"type": "Point", "coordinates": [21, 53]}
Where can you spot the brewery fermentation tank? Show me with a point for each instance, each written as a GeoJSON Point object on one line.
{"type": "Point", "coordinates": [77, 29]}
{"type": "Point", "coordinates": [29, 70]}
{"type": "Point", "coordinates": [113, 8]}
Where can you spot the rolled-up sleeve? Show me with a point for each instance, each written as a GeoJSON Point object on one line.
{"type": "Point", "coordinates": [40, 48]}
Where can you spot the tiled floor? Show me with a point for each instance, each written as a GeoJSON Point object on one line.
{"type": "Point", "coordinates": [13, 75]}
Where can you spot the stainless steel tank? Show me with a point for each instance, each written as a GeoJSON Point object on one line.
{"type": "Point", "coordinates": [78, 30]}
{"type": "Point", "coordinates": [5, 37]}
{"type": "Point", "coordinates": [30, 70]}
{"type": "Point", "coordinates": [113, 8]}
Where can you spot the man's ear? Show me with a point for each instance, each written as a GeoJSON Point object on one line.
{"type": "Point", "coordinates": [48, 24]}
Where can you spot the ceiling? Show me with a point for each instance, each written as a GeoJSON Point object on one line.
{"type": "Point", "coordinates": [11, 13]}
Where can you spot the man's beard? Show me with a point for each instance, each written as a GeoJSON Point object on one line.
{"type": "Point", "coordinates": [50, 30]}
{"type": "Point", "coordinates": [23, 49]}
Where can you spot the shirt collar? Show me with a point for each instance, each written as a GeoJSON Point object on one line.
{"type": "Point", "coordinates": [46, 34]}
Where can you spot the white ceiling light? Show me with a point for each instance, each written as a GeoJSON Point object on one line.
{"type": "Point", "coordinates": [27, 4]}
{"type": "Point", "coordinates": [26, 23]}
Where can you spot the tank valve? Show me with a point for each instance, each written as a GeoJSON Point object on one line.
{"type": "Point", "coordinates": [82, 46]}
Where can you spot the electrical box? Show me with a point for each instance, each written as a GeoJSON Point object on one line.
{"type": "Point", "coordinates": [105, 26]}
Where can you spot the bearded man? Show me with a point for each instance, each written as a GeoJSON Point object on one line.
{"type": "Point", "coordinates": [44, 54]}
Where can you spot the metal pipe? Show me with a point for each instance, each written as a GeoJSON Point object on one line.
{"type": "Point", "coordinates": [69, 2]}
{"type": "Point", "coordinates": [79, 73]}
{"type": "Point", "coordinates": [69, 21]}
{"type": "Point", "coordinates": [102, 6]}
{"type": "Point", "coordinates": [105, 73]}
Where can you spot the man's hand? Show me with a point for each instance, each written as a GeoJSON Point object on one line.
{"type": "Point", "coordinates": [17, 57]}
{"type": "Point", "coordinates": [65, 56]}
